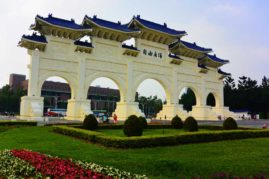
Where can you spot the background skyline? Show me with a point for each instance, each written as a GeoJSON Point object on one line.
{"type": "Point", "coordinates": [235, 30]}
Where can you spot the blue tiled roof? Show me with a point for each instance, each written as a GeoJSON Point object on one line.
{"type": "Point", "coordinates": [158, 27]}
{"type": "Point", "coordinates": [36, 38]}
{"type": "Point", "coordinates": [223, 73]}
{"type": "Point", "coordinates": [129, 47]}
{"type": "Point", "coordinates": [191, 46]}
{"type": "Point", "coordinates": [81, 43]}
{"type": "Point", "coordinates": [62, 22]}
{"type": "Point", "coordinates": [195, 47]}
{"type": "Point", "coordinates": [215, 58]}
{"type": "Point", "coordinates": [174, 56]}
{"type": "Point", "coordinates": [109, 24]}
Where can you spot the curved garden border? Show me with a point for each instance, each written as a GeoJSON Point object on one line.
{"type": "Point", "coordinates": [168, 140]}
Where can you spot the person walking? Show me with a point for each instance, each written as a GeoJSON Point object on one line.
{"type": "Point", "coordinates": [115, 118]}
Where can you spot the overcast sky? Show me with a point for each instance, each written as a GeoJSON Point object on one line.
{"type": "Point", "coordinates": [237, 30]}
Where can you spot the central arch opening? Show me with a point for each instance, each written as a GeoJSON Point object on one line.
{"type": "Point", "coordinates": [187, 98]}
{"type": "Point", "coordinates": [56, 92]}
{"type": "Point", "coordinates": [104, 94]}
{"type": "Point", "coordinates": [150, 96]}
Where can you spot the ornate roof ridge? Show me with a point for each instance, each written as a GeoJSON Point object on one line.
{"type": "Point", "coordinates": [217, 59]}
{"type": "Point", "coordinates": [71, 24]}
{"type": "Point", "coordinates": [109, 24]}
{"type": "Point", "coordinates": [157, 27]}
{"type": "Point", "coordinates": [35, 37]}
{"type": "Point", "coordinates": [195, 46]}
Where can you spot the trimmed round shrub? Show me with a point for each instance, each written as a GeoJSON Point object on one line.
{"type": "Point", "coordinates": [229, 124]}
{"type": "Point", "coordinates": [177, 122]}
{"type": "Point", "coordinates": [143, 121]}
{"type": "Point", "coordinates": [190, 124]}
{"type": "Point", "coordinates": [90, 122]}
{"type": "Point", "coordinates": [133, 126]}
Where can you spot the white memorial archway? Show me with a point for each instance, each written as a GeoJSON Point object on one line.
{"type": "Point", "coordinates": [159, 54]}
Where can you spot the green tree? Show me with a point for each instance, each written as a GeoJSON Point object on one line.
{"type": "Point", "coordinates": [210, 100]}
{"type": "Point", "coordinates": [188, 99]}
{"type": "Point", "coordinates": [265, 82]}
{"type": "Point", "coordinates": [10, 99]}
{"type": "Point", "coordinates": [149, 105]}
{"type": "Point", "coordinates": [229, 91]}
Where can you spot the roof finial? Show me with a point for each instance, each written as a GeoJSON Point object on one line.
{"type": "Point", "coordinates": [194, 43]}
{"type": "Point", "coordinates": [138, 16]}
{"type": "Point", "coordinates": [50, 14]}
{"type": "Point", "coordinates": [95, 16]}
{"type": "Point", "coordinates": [119, 22]}
{"type": "Point", "coordinates": [164, 24]}
{"type": "Point", "coordinates": [214, 55]}
{"type": "Point", "coordinates": [72, 20]}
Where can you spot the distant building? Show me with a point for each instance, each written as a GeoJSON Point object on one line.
{"type": "Point", "coordinates": [56, 94]}
{"type": "Point", "coordinates": [15, 80]}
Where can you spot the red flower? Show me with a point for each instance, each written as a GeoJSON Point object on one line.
{"type": "Point", "coordinates": [56, 167]}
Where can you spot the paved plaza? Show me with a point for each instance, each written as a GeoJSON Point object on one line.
{"type": "Point", "coordinates": [241, 123]}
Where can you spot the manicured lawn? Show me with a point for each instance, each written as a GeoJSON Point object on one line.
{"type": "Point", "coordinates": [146, 132]}
{"type": "Point", "coordinates": [2, 128]}
{"type": "Point", "coordinates": [239, 157]}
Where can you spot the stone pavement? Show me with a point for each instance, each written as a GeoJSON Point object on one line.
{"type": "Point", "coordinates": [242, 123]}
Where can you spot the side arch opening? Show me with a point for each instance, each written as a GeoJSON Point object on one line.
{"type": "Point", "coordinates": [56, 92]}
{"type": "Point", "coordinates": [187, 98]}
{"type": "Point", "coordinates": [211, 100]}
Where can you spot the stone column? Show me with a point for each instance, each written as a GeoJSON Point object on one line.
{"type": "Point", "coordinates": [79, 106]}
{"type": "Point", "coordinates": [31, 107]}
{"type": "Point", "coordinates": [221, 111]}
{"type": "Point", "coordinates": [201, 111]}
{"type": "Point", "coordinates": [128, 106]}
{"type": "Point", "coordinates": [172, 108]}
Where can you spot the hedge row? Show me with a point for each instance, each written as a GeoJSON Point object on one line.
{"type": "Point", "coordinates": [18, 123]}
{"type": "Point", "coordinates": [157, 126]}
{"type": "Point", "coordinates": [152, 141]}
{"type": "Point", "coordinates": [120, 126]}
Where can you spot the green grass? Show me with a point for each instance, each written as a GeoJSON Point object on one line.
{"type": "Point", "coordinates": [146, 132]}
{"type": "Point", "coordinates": [3, 129]}
{"type": "Point", "coordinates": [239, 157]}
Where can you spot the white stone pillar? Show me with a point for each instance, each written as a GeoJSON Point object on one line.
{"type": "Point", "coordinates": [172, 108]}
{"type": "Point", "coordinates": [201, 111]}
{"type": "Point", "coordinates": [220, 110]}
{"type": "Point", "coordinates": [33, 73]}
{"type": "Point", "coordinates": [129, 84]}
{"type": "Point", "coordinates": [221, 95]}
{"type": "Point", "coordinates": [79, 93]}
{"type": "Point", "coordinates": [31, 107]}
{"type": "Point", "coordinates": [128, 106]}
{"type": "Point", "coordinates": [79, 106]}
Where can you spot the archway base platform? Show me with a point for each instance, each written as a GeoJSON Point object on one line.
{"type": "Point", "coordinates": [32, 109]}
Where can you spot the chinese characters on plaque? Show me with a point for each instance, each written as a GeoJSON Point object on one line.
{"type": "Point", "coordinates": [152, 53]}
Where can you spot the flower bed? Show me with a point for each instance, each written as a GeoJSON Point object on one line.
{"type": "Point", "coordinates": [25, 164]}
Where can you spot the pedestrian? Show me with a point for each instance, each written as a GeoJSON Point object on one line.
{"type": "Point", "coordinates": [115, 118]}
{"type": "Point", "coordinates": [264, 126]}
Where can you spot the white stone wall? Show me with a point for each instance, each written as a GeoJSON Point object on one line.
{"type": "Point", "coordinates": [107, 60]}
